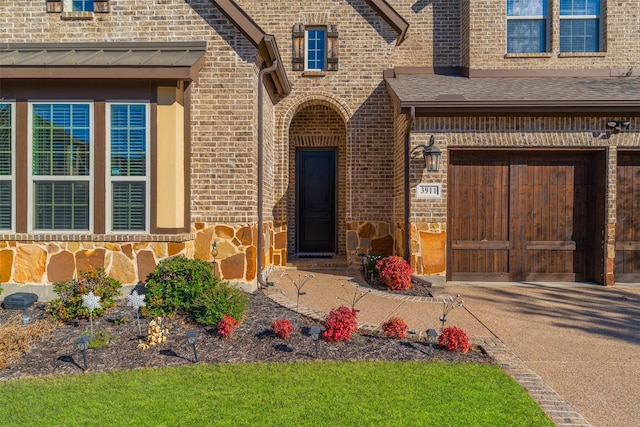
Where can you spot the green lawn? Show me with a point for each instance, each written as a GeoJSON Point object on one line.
{"type": "Point", "coordinates": [296, 394]}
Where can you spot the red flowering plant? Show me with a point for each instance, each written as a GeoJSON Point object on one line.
{"type": "Point", "coordinates": [395, 328]}
{"type": "Point", "coordinates": [339, 324]}
{"type": "Point", "coordinates": [395, 272]}
{"type": "Point", "coordinates": [454, 339]}
{"type": "Point", "coordinates": [227, 325]}
{"type": "Point", "coordinates": [282, 328]}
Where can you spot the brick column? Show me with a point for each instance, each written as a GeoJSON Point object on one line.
{"type": "Point", "coordinates": [610, 231]}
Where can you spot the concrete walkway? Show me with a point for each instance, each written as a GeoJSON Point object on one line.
{"type": "Point", "coordinates": [574, 348]}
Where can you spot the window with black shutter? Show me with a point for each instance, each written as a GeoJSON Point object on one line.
{"type": "Point", "coordinates": [314, 48]}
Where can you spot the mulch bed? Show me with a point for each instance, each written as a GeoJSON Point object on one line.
{"type": "Point", "coordinates": [252, 341]}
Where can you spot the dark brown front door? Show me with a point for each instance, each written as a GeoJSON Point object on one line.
{"type": "Point", "coordinates": [628, 218]}
{"type": "Point", "coordinates": [316, 202]}
{"type": "Point", "coordinates": [535, 217]}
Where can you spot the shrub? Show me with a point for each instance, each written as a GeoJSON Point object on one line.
{"type": "Point", "coordinates": [210, 307]}
{"type": "Point", "coordinates": [175, 284]}
{"type": "Point", "coordinates": [395, 273]}
{"type": "Point", "coordinates": [226, 326]}
{"type": "Point", "coordinates": [282, 328]}
{"type": "Point", "coordinates": [395, 328]}
{"type": "Point", "coordinates": [339, 324]}
{"type": "Point", "coordinates": [69, 305]}
{"type": "Point", "coordinates": [100, 339]}
{"type": "Point", "coordinates": [454, 339]}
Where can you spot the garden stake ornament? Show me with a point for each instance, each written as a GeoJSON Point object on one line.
{"type": "Point", "coordinates": [448, 304]}
{"type": "Point", "coordinates": [357, 295]}
{"type": "Point", "coordinates": [299, 286]}
{"type": "Point", "coordinates": [136, 301]}
{"type": "Point", "coordinates": [91, 302]}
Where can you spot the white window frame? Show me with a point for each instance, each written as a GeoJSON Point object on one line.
{"type": "Point", "coordinates": [12, 177]}
{"type": "Point", "coordinates": [109, 180]}
{"type": "Point", "coordinates": [67, 6]}
{"type": "Point", "coordinates": [31, 179]}
{"type": "Point", "coordinates": [306, 46]}
{"type": "Point", "coordinates": [597, 17]}
{"type": "Point", "coordinates": [547, 29]}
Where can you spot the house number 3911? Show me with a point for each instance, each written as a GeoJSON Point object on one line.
{"type": "Point", "coordinates": [429, 191]}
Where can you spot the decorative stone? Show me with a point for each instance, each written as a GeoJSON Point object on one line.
{"type": "Point", "coordinates": [244, 235]}
{"type": "Point", "coordinates": [225, 250]}
{"type": "Point", "coordinates": [433, 252]}
{"type": "Point", "coordinates": [204, 238]}
{"type": "Point", "coordinates": [88, 260]}
{"type": "Point", "coordinates": [122, 268]}
{"type": "Point", "coordinates": [138, 246]}
{"type": "Point", "coordinates": [251, 263]}
{"type": "Point", "coordinates": [276, 260]}
{"type": "Point", "coordinates": [233, 267]}
{"type": "Point", "coordinates": [113, 247]}
{"type": "Point", "coordinates": [280, 241]}
{"type": "Point", "coordinates": [146, 265]}
{"type": "Point", "coordinates": [6, 262]}
{"type": "Point", "coordinates": [224, 232]}
{"type": "Point", "coordinates": [61, 267]}
{"type": "Point", "coordinates": [383, 228]}
{"type": "Point", "coordinates": [352, 241]}
{"type": "Point", "coordinates": [29, 264]}
{"type": "Point", "coordinates": [73, 246]}
{"type": "Point", "coordinates": [367, 231]}
{"type": "Point", "coordinates": [174, 248]}
{"type": "Point", "coordinates": [19, 300]}
{"type": "Point", "coordinates": [128, 250]}
{"type": "Point", "coordinates": [160, 249]}
{"type": "Point", "coordinates": [52, 248]}
{"type": "Point", "coordinates": [383, 246]}
{"type": "Point", "coordinates": [200, 225]}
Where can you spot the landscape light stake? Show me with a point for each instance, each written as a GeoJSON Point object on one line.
{"type": "Point", "coordinates": [432, 339]}
{"type": "Point", "coordinates": [357, 295]}
{"type": "Point", "coordinates": [83, 344]}
{"type": "Point", "coordinates": [192, 335]}
{"type": "Point", "coordinates": [449, 304]}
{"type": "Point", "coordinates": [315, 331]}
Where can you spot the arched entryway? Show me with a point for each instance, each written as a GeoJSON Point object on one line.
{"type": "Point", "coordinates": [316, 195]}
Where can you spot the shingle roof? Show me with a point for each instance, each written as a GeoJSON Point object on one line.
{"type": "Point", "coordinates": [569, 94]}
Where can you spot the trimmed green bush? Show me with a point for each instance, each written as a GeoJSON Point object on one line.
{"type": "Point", "coordinates": [217, 301]}
{"type": "Point", "coordinates": [175, 284]}
{"type": "Point", "coordinates": [69, 305]}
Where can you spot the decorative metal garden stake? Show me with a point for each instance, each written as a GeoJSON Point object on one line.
{"type": "Point", "coordinates": [192, 335]}
{"type": "Point", "coordinates": [265, 275]}
{"type": "Point", "coordinates": [432, 338]}
{"type": "Point", "coordinates": [449, 304]}
{"type": "Point", "coordinates": [136, 301]}
{"type": "Point", "coordinates": [315, 331]}
{"type": "Point", "coordinates": [91, 302]}
{"type": "Point", "coordinates": [299, 286]}
{"type": "Point", "coordinates": [357, 295]}
{"type": "Point", "coordinates": [214, 254]}
{"type": "Point", "coordinates": [83, 344]}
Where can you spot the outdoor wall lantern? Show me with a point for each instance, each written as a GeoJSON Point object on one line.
{"type": "Point", "coordinates": [83, 344]}
{"type": "Point", "coordinates": [315, 331]}
{"type": "Point", "coordinates": [430, 153]}
{"type": "Point", "coordinates": [192, 335]}
{"type": "Point", "coordinates": [616, 126]}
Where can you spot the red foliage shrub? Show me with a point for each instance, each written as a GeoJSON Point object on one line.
{"type": "Point", "coordinates": [226, 326]}
{"type": "Point", "coordinates": [395, 328]}
{"type": "Point", "coordinates": [395, 272]}
{"type": "Point", "coordinates": [454, 339]}
{"type": "Point", "coordinates": [282, 328]}
{"type": "Point", "coordinates": [339, 324]}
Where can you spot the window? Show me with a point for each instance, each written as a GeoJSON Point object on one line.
{"type": "Point", "coordinates": [71, 6]}
{"type": "Point", "coordinates": [128, 169]}
{"type": "Point", "coordinates": [82, 6]}
{"type": "Point", "coordinates": [579, 25]}
{"type": "Point", "coordinates": [7, 137]}
{"type": "Point", "coordinates": [315, 48]}
{"type": "Point", "coordinates": [526, 26]}
{"type": "Point", "coordinates": [60, 175]}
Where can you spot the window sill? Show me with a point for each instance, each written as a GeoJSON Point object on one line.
{"type": "Point", "coordinates": [77, 16]}
{"type": "Point", "coordinates": [50, 237]}
{"type": "Point", "coordinates": [582, 54]}
{"type": "Point", "coordinates": [314, 73]}
{"type": "Point", "coordinates": [529, 55]}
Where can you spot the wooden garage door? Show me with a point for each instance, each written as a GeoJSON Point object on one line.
{"type": "Point", "coordinates": [518, 218]}
{"type": "Point", "coordinates": [627, 267]}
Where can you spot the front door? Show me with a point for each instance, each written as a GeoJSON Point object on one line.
{"type": "Point", "coordinates": [316, 202]}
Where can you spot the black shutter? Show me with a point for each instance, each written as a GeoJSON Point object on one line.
{"type": "Point", "coordinates": [54, 6]}
{"type": "Point", "coordinates": [297, 56]}
{"type": "Point", "coordinates": [101, 6]}
{"type": "Point", "coordinates": [332, 48]}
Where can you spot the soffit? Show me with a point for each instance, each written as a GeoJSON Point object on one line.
{"type": "Point", "coordinates": [434, 94]}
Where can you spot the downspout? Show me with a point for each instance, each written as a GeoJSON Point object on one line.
{"type": "Point", "coordinates": [407, 145]}
{"type": "Point", "coordinates": [259, 260]}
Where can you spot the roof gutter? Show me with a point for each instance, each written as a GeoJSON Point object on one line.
{"type": "Point", "coordinates": [259, 260]}
{"type": "Point", "coordinates": [407, 145]}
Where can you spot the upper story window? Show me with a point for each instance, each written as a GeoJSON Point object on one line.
{"type": "Point", "coordinates": [82, 6]}
{"type": "Point", "coordinates": [580, 25]}
{"type": "Point", "coordinates": [7, 138]}
{"type": "Point", "coordinates": [77, 6]}
{"type": "Point", "coordinates": [527, 26]}
{"type": "Point", "coordinates": [315, 48]}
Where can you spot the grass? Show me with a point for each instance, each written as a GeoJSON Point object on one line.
{"type": "Point", "coordinates": [295, 394]}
